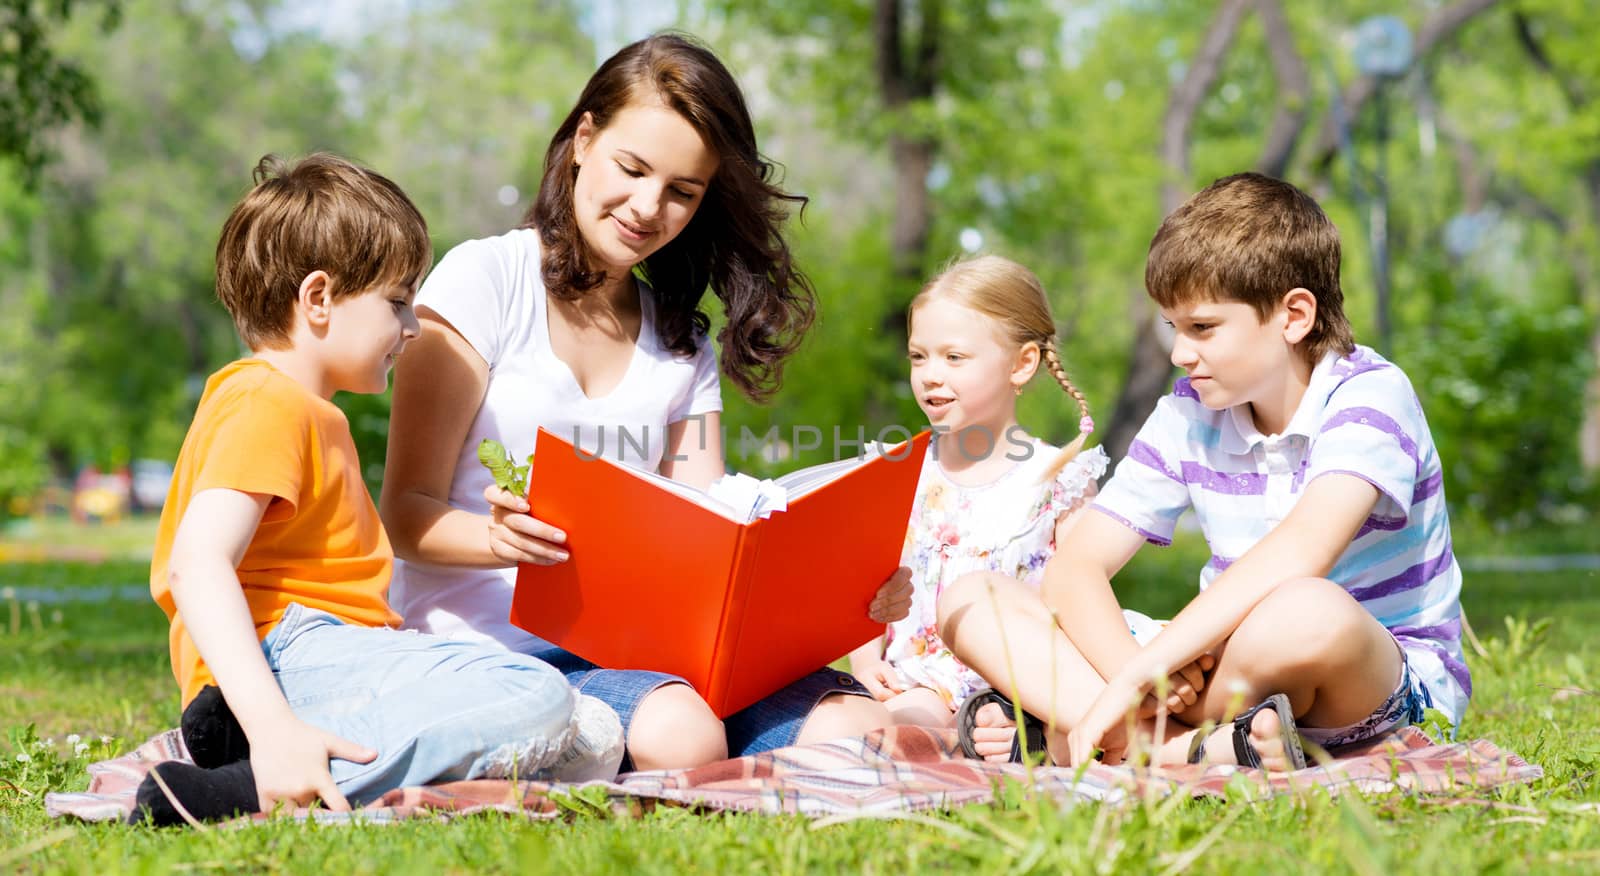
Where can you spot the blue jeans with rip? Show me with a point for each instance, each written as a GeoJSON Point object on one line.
{"type": "Point", "coordinates": [434, 709]}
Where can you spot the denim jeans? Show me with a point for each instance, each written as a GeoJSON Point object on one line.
{"type": "Point", "coordinates": [434, 709]}
{"type": "Point", "coordinates": [772, 722]}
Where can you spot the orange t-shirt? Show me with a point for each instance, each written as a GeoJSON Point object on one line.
{"type": "Point", "coordinates": [320, 542]}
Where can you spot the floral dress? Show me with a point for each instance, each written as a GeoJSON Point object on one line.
{"type": "Point", "coordinates": [1006, 526]}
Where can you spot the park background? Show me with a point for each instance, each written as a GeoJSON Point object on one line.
{"type": "Point", "coordinates": [1459, 154]}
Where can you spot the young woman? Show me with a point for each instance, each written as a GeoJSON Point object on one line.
{"type": "Point", "coordinates": [586, 320]}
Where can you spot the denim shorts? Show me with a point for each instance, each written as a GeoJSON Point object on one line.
{"type": "Point", "coordinates": [1403, 707]}
{"type": "Point", "coordinates": [770, 723]}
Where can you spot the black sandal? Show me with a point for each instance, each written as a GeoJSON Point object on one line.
{"type": "Point", "coordinates": [1031, 732]}
{"type": "Point", "coordinates": [1245, 753]}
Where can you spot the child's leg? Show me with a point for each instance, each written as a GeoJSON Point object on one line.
{"type": "Point", "coordinates": [1002, 630]}
{"type": "Point", "coordinates": [673, 728]}
{"type": "Point", "coordinates": [434, 709]}
{"type": "Point", "coordinates": [1309, 639]}
{"type": "Point", "coordinates": [920, 706]}
{"type": "Point", "coordinates": [827, 704]}
{"type": "Point", "coordinates": [211, 732]}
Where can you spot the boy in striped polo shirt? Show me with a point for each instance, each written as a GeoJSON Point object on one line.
{"type": "Point", "coordinates": [1331, 600]}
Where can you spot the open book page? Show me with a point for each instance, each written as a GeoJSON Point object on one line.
{"type": "Point", "coordinates": [711, 501]}
{"type": "Point", "coordinates": [763, 497]}
{"type": "Point", "coordinates": [743, 499]}
{"type": "Point", "coordinates": [798, 483]}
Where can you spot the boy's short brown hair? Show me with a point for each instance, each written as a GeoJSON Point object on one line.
{"type": "Point", "coordinates": [1251, 238]}
{"type": "Point", "coordinates": [322, 213]}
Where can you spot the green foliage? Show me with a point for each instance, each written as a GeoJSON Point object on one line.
{"type": "Point", "coordinates": [1523, 642]}
{"type": "Point", "coordinates": [1502, 382]}
{"type": "Point", "coordinates": [109, 679]}
{"type": "Point", "coordinates": [508, 475]}
{"type": "Point", "coordinates": [1046, 120]}
{"type": "Point", "coordinates": [40, 90]}
{"type": "Point", "coordinates": [38, 765]}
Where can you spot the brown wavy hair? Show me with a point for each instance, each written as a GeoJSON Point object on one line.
{"type": "Point", "coordinates": [734, 243]}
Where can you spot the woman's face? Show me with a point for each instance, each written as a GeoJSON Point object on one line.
{"type": "Point", "coordinates": [640, 180]}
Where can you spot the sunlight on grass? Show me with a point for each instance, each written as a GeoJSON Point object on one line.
{"type": "Point", "coordinates": [37, 539]}
{"type": "Point", "coordinates": [95, 673]}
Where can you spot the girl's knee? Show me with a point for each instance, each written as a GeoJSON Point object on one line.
{"type": "Point", "coordinates": [674, 728]}
{"type": "Point", "coordinates": [978, 590]}
{"type": "Point", "coordinates": [920, 706]}
{"type": "Point", "coordinates": [841, 715]}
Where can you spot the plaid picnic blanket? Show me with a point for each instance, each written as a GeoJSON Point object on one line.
{"type": "Point", "coordinates": [898, 769]}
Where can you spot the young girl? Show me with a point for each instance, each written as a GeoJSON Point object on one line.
{"type": "Point", "coordinates": [587, 320]}
{"type": "Point", "coordinates": [991, 498]}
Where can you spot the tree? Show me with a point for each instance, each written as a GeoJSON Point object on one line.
{"type": "Point", "coordinates": [39, 90]}
{"type": "Point", "coordinates": [1148, 367]}
{"type": "Point", "coordinates": [112, 318]}
{"type": "Point", "coordinates": [1070, 165]}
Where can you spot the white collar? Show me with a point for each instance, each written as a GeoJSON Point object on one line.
{"type": "Point", "coordinates": [1239, 433]}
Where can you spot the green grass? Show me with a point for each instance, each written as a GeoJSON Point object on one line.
{"type": "Point", "coordinates": [100, 669]}
{"type": "Point", "coordinates": [60, 538]}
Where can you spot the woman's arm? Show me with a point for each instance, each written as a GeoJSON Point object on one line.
{"type": "Point", "coordinates": [694, 450]}
{"type": "Point", "coordinates": [440, 382]}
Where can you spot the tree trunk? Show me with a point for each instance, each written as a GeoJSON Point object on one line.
{"type": "Point", "coordinates": [1148, 363]}
{"type": "Point", "coordinates": [913, 214]}
{"type": "Point", "coordinates": [1294, 91]}
{"type": "Point", "coordinates": [906, 76]}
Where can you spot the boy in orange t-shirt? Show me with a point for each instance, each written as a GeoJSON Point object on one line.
{"type": "Point", "coordinates": [271, 562]}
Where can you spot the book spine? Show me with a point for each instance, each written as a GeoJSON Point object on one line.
{"type": "Point", "coordinates": [740, 573]}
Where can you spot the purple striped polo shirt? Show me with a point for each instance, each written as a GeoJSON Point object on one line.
{"type": "Point", "coordinates": [1360, 417]}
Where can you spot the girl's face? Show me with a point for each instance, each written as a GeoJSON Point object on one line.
{"type": "Point", "coordinates": [640, 180]}
{"type": "Point", "coordinates": [964, 373]}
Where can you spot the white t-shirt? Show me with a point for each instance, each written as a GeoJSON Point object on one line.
{"type": "Point", "coordinates": [491, 292]}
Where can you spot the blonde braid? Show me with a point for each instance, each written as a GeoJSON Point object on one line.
{"type": "Point", "coordinates": [1052, 363]}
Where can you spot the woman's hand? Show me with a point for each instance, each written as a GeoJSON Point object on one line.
{"type": "Point", "coordinates": [893, 600]}
{"type": "Point", "coordinates": [515, 537]}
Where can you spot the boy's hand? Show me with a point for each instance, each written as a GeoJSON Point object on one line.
{"type": "Point", "coordinates": [1183, 688]}
{"type": "Point", "coordinates": [515, 537]}
{"type": "Point", "coordinates": [1104, 727]}
{"type": "Point", "coordinates": [893, 600]}
{"type": "Point", "coordinates": [290, 762]}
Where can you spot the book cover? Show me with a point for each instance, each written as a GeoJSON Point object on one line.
{"type": "Point", "coordinates": [661, 577]}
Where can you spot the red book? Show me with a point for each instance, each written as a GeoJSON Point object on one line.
{"type": "Point", "coordinates": [662, 577]}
